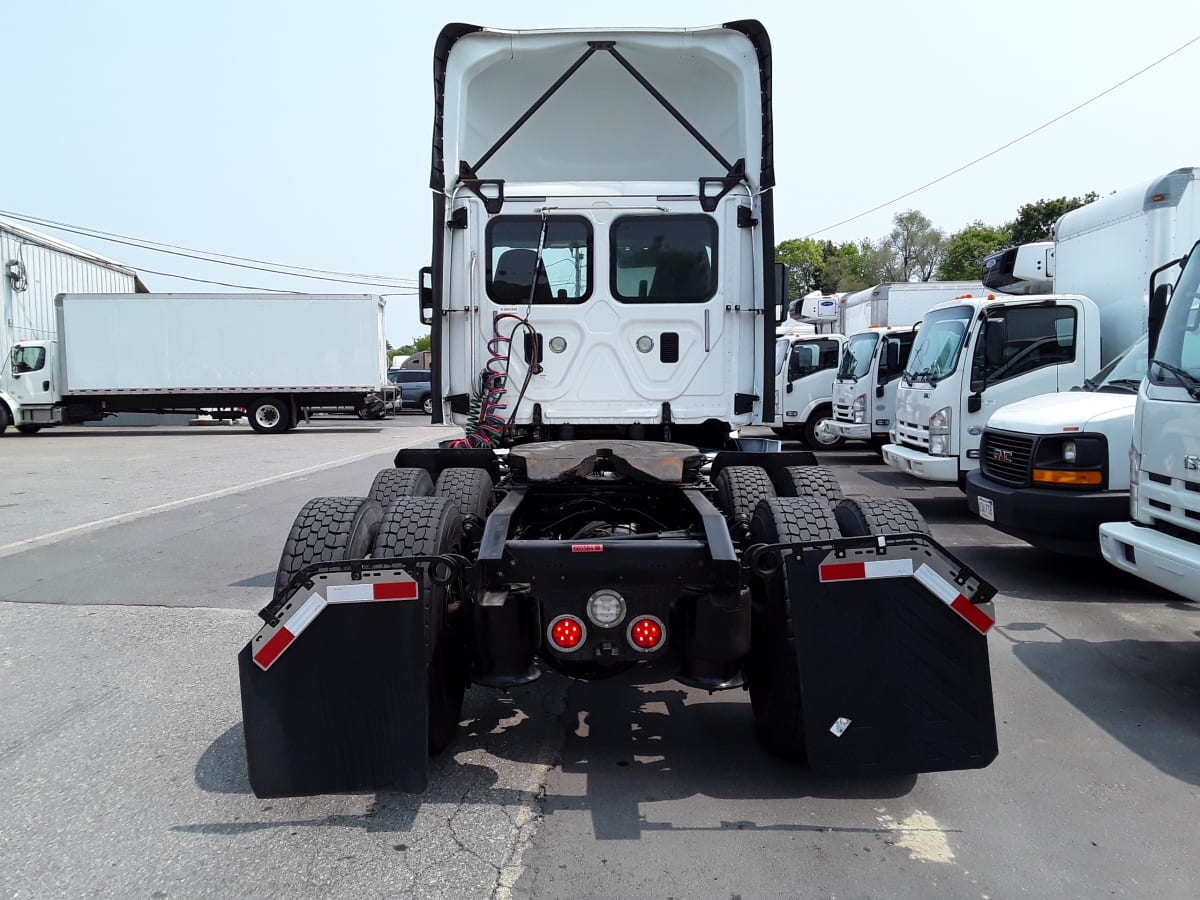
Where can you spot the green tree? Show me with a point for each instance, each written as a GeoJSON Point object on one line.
{"type": "Point", "coordinates": [966, 249]}
{"type": "Point", "coordinates": [916, 247]}
{"type": "Point", "coordinates": [805, 263]}
{"type": "Point", "coordinates": [850, 266]}
{"type": "Point", "coordinates": [1035, 221]}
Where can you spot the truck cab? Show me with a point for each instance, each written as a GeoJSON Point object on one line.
{"type": "Point", "coordinates": [28, 386]}
{"type": "Point", "coordinates": [973, 356]}
{"type": "Point", "coordinates": [1161, 542]}
{"type": "Point", "coordinates": [805, 367]}
{"type": "Point", "coordinates": [864, 389]}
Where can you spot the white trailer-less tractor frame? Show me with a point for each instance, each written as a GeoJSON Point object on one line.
{"type": "Point", "coordinates": [603, 303]}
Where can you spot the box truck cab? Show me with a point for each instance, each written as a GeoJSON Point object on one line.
{"type": "Point", "coordinates": [804, 367]}
{"type": "Point", "coordinates": [1161, 543]}
{"type": "Point", "coordinates": [975, 355]}
{"type": "Point", "coordinates": [881, 322]}
{"type": "Point", "coordinates": [864, 390]}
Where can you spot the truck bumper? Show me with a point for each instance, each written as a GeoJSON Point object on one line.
{"type": "Point", "coordinates": [1055, 520]}
{"type": "Point", "coordinates": [922, 465]}
{"type": "Point", "coordinates": [1153, 556]}
{"type": "Point", "coordinates": [860, 432]}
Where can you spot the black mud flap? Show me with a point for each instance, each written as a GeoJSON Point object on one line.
{"type": "Point", "coordinates": [334, 694]}
{"type": "Point", "coordinates": [892, 648]}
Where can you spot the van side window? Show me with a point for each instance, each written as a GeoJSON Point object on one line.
{"type": "Point", "coordinates": [659, 259]}
{"type": "Point", "coordinates": [564, 271]}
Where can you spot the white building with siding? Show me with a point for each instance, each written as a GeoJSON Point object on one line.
{"type": "Point", "coordinates": [36, 268]}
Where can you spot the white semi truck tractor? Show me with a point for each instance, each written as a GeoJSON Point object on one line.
{"type": "Point", "coordinates": [603, 308]}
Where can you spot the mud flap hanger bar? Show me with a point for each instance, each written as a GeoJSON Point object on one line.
{"type": "Point", "coordinates": [442, 570]}
{"type": "Point", "coordinates": [491, 190]}
{"type": "Point", "coordinates": [868, 558]}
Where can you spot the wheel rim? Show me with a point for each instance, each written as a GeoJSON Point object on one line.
{"type": "Point", "coordinates": [428, 406]}
{"type": "Point", "coordinates": [267, 416]}
{"type": "Point", "coordinates": [823, 434]}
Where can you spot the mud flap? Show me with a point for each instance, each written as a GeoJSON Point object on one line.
{"type": "Point", "coordinates": [892, 649]}
{"type": "Point", "coordinates": [334, 693]}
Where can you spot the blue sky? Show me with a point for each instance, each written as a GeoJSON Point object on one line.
{"type": "Point", "coordinates": [298, 132]}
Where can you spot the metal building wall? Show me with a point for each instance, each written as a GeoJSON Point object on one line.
{"type": "Point", "coordinates": [29, 314]}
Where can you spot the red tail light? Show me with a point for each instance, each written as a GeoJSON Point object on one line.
{"type": "Point", "coordinates": [646, 633]}
{"type": "Point", "coordinates": [566, 633]}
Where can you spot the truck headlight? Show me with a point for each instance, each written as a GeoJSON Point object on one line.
{"type": "Point", "coordinates": [1070, 452]}
{"type": "Point", "coordinates": [858, 409]}
{"type": "Point", "coordinates": [939, 432]}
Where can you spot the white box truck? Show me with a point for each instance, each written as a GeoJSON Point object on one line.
{"type": "Point", "coordinates": [269, 354]}
{"type": "Point", "coordinates": [1054, 467]}
{"type": "Point", "coordinates": [880, 324]}
{"type": "Point", "coordinates": [986, 355]}
{"type": "Point", "coordinates": [1161, 543]}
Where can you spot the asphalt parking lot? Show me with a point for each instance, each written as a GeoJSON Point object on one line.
{"type": "Point", "coordinates": [133, 561]}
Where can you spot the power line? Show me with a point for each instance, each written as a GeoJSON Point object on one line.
{"type": "Point", "coordinates": [980, 159]}
{"type": "Point", "coordinates": [206, 256]}
{"type": "Point", "coordinates": [251, 287]}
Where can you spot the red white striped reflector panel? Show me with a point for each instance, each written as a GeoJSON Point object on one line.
{"type": "Point", "coordinates": [273, 648]}
{"type": "Point", "coordinates": [271, 641]}
{"type": "Point", "coordinates": [364, 592]}
{"type": "Point", "coordinates": [949, 594]}
{"type": "Point", "coordinates": [858, 571]}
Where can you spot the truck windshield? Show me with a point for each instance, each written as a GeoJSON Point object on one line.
{"type": "Point", "coordinates": [856, 358]}
{"type": "Point", "coordinates": [1125, 372]}
{"type": "Point", "coordinates": [935, 351]}
{"type": "Point", "coordinates": [781, 353]}
{"type": "Point", "coordinates": [1179, 341]}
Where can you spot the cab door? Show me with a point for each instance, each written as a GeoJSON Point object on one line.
{"type": "Point", "coordinates": [1021, 351]}
{"type": "Point", "coordinates": [30, 380]}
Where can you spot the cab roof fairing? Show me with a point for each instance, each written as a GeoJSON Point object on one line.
{"type": "Point", "coordinates": [500, 76]}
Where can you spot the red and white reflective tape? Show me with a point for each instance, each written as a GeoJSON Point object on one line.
{"type": "Point", "coordinates": [952, 597]}
{"type": "Point", "coordinates": [376, 590]}
{"type": "Point", "coordinates": [271, 641]}
{"type": "Point", "coordinates": [587, 548]}
{"type": "Point", "coordinates": [858, 571]}
{"type": "Point", "coordinates": [282, 639]}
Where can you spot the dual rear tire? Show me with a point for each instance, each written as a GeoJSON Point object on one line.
{"type": "Point", "coordinates": [334, 529]}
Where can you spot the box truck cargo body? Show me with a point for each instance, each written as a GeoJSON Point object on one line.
{"type": "Point", "coordinates": [270, 354]}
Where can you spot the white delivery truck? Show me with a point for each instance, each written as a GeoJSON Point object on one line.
{"type": "Point", "coordinates": [1162, 542]}
{"type": "Point", "coordinates": [271, 355]}
{"type": "Point", "coordinates": [1054, 467]}
{"type": "Point", "coordinates": [604, 315]}
{"type": "Point", "coordinates": [804, 367]}
{"type": "Point", "coordinates": [880, 324]}
{"type": "Point", "coordinates": [1009, 349]}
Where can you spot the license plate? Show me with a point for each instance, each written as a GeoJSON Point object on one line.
{"type": "Point", "coordinates": [987, 510]}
